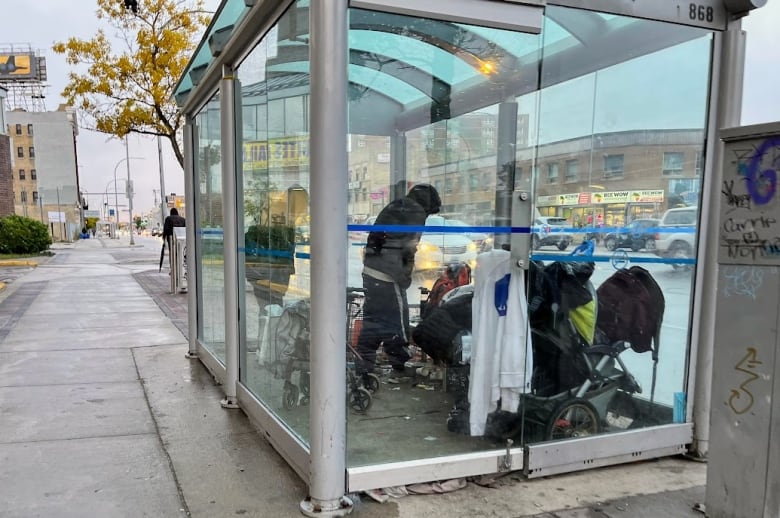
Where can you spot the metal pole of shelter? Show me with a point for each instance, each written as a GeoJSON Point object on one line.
{"type": "Point", "coordinates": [189, 214]}
{"type": "Point", "coordinates": [725, 112]}
{"type": "Point", "coordinates": [328, 116]}
{"type": "Point", "coordinates": [229, 215]}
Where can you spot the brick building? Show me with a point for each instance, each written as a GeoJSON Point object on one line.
{"type": "Point", "coordinates": [6, 174]}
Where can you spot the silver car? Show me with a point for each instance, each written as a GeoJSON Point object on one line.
{"type": "Point", "coordinates": [551, 231]}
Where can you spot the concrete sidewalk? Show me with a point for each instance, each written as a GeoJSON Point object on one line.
{"type": "Point", "coordinates": [102, 415]}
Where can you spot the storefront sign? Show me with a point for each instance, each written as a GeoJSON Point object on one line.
{"type": "Point", "coordinates": [647, 196]}
{"type": "Point", "coordinates": [276, 153]}
{"type": "Point", "coordinates": [601, 198]}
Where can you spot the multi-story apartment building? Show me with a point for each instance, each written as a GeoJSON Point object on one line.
{"type": "Point", "coordinates": [6, 169]}
{"type": "Point", "coordinates": [608, 177]}
{"type": "Point", "coordinates": [45, 174]}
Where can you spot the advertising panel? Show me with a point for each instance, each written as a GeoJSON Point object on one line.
{"type": "Point", "coordinates": [18, 66]}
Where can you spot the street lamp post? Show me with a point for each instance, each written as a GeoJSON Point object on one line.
{"type": "Point", "coordinates": [129, 189]}
{"type": "Point", "coordinates": [116, 194]}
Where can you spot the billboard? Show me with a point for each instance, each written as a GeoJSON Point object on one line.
{"type": "Point", "coordinates": [18, 66]}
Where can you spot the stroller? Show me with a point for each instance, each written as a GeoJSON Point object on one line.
{"type": "Point", "coordinates": [579, 385]}
{"type": "Point", "coordinates": [287, 353]}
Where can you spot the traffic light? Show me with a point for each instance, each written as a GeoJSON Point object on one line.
{"type": "Point", "coordinates": [132, 5]}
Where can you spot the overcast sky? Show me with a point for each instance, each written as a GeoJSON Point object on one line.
{"type": "Point", "coordinates": [42, 22]}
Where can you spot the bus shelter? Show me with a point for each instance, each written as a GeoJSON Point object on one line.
{"type": "Point", "coordinates": [540, 124]}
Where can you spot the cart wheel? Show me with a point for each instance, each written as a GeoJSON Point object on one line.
{"type": "Point", "coordinates": [305, 383]}
{"type": "Point", "coordinates": [371, 383]}
{"type": "Point", "coordinates": [290, 396]}
{"type": "Point", "coordinates": [360, 400]}
{"type": "Point", "coordinates": [571, 419]}
{"type": "Point", "coordinates": [304, 401]}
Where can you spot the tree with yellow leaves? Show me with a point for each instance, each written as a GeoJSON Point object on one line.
{"type": "Point", "coordinates": [125, 84]}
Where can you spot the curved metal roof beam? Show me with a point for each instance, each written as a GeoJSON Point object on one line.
{"type": "Point", "coordinates": [584, 26]}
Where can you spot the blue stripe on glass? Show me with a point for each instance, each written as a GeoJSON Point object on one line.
{"type": "Point", "coordinates": [608, 258]}
{"type": "Point", "coordinates": [438, 229]}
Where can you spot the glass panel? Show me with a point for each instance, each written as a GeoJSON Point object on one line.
{"type": "Point", "coordinates": [413, 358]}
{"type": "Point", "coordinates": [274, 214]}
{"type": "Point", "coordinates": [620, 130]}
{"type": "Point", "coordinates": [211, 287]}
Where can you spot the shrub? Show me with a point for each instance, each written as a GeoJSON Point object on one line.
{"type": "Point", "coordinates": [275, 243]}
{"type": "Point", "coordinates": [20, 235]}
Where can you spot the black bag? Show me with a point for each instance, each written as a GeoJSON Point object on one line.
{"type": "Point", "coordinates": [631, 308]}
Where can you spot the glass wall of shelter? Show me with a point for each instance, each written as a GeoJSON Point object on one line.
{"type": "Point", "coordinates": [601, 118]}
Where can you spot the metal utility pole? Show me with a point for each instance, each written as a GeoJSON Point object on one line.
{"type": "Point", "coordinates": [129, 190]}
{"type": "Point", "coordinates": [162, 181]}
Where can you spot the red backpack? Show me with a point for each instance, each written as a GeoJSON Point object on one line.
{"type": "Point", "coordinates": [456, 274]}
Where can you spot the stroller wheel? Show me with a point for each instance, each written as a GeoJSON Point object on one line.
{"type": "Point", "coordinates": [371, 382]}
{"type": "Point", "coordinates": [290, 396]}
{"type": "Point", "coordinates": [571, 419]}
{"type": "Point", "coordinates": [360, 400]}
{"type": "Point", "coordinates": [304, 382]}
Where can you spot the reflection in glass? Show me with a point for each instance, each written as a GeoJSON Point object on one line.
{"type": "Point", "coordinates": [274, 224]}
{"type": "Point", "coordinates": [211, 318]}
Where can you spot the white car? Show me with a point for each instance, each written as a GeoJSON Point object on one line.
{"type": "Point", "coordinates": [439, 249]}
{"type": "Point", "coordinates": [676, 236]}
{"type": "Point", "coordinates": [484, 241]}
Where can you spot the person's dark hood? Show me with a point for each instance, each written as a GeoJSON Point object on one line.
{"type": "Point", "coordinates": [427, 197]}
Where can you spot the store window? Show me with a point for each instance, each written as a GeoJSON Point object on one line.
{"type": "Point", "coordinates": [613, 166]}
{"type": "Point", "coordinates": [673, 164]}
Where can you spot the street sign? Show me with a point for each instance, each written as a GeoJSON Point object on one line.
{"type": "Point", "coordinates": [92, 214]}
{"type": "Point", "coordinates": [58, 217]}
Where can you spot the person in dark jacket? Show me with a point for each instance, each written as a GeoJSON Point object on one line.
{"type": "Point", "coordinates": [388, 262]}
{"type": "Point", "coordinates": [174, 220]}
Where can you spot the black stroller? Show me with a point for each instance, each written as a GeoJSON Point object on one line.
{"type": "Point", "coordinates": [580, 385]}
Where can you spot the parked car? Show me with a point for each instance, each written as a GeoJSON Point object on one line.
{"type": "Point", "coordinates": [551, 231]}
{"type": "Point", "coordinates": [156, 231]}
{"type": "Point", "coordinates": [676, 236]}
{"type": "Point", "coordinates": [639, 234]}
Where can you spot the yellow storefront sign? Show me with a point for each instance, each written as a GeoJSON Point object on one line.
{"type": "Point", "coordinates": [276, 153]}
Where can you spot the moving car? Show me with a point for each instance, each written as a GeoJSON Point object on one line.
{"type": "Point", "coordinates": [676, 235]}
{"type": "Point", "coordinates": [551, 231]}
{"type": "Point", "coordinates": [438, 249]}
{"type": "Point", "coordinates": [639, 234]}
{"type": "Point", "coordinates": [484, 241]}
